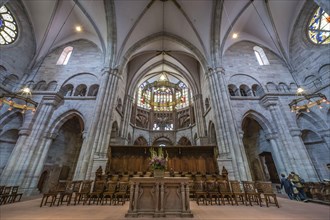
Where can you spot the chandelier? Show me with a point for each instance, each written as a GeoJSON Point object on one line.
{"type": "Point", "coordinates": [307, 101]}
{"type": "Point", "coordinates": [162, 93]}
{"type": "Point", "coordinates": [20, 100]}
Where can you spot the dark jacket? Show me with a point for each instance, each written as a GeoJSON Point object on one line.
{"type": "Point", "coordinates": [287, 185]}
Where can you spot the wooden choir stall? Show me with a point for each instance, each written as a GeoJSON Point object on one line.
{"type": "Point", "coordinates": [166, 196]}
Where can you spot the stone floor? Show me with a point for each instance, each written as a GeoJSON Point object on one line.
{"type": "Point", "coordinates": [30, 210]}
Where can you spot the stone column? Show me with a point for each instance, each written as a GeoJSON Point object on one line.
{"type": "Point", "coordinates": [28, 148]}
{"type": "Point", "coordinates": [32, 179]}
{"type": "Point", "coordinates": [127, 116]}
{"type": "Point", "coordinates": [200, 122]}
{"type": "Point", "coordinates": [281, 164]}
{"type": "Point", "coordinates": [305, 160]}
{"type": "Point", "coordinates": [98, 137]}
{"type": "Point", "coordinates": [295, 158]}
{"type": "Point", "coordinates": [271, 104]}
{"type": "Point", "coordinates": [230, 148]}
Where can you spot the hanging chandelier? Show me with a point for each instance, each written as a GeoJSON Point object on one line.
{"type": "Point", "coordinates": [307, 101]}
{"type": "Point", "coordinates": [20, 100]}
{"type": "Point", "coordinates": [162, 93]}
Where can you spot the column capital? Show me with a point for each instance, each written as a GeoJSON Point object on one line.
{"type": "Point", "coordinates": [24, 132]}
{"type": "Point", "coordinates": [215, 70]}
{"type": "Point", "coordinates": [129, 98]}
{"type": "Point", "coordinates": [268, 101]}
{"type": "Point", "coordinates": [197, 96]}
{"type": "Point", "coordinates": [295, 132]}
{"type": "Point", "coordinates": [53, 99]}
{"type": "Point", "coordinates": [110, 71]}
{"type": "Point", "coordinates": [49, 135]}
{"type": "Point", "coordinates": [271, 136]}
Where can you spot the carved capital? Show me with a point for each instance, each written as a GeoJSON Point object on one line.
{"type": "Point", "coordinates": [268, 101]}
{"type": "Point", "coordinates": [197, 96]}
{"type": "Point", "coordinates": [24, 131]}
{"type": "Point", "coordinates": [53, 99]}
{"type": "Point", "coordinates": [271, 136]}
{"type": "Point", "coordinates": [49, 135]}
{"type": "Point", "coordinates": [295, 132]}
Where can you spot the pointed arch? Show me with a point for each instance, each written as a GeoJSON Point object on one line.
{"type": "Point", "coordinates": [184, 141]}
{"type": "Point", "coordinates": [59, 121]}
{"type": "Point", "coordinates": [141, 141]}
{"type": "Point", "coordinates": [260, 118]}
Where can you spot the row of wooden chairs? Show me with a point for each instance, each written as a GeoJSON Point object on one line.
{"type": "Point", "coordinates": [80, 192]}
{"type": "Point", "coordinates": [220, 191]}
{"type": "Point", "coordinates": [318, 190]}
{"type": "Point", "coordinates": [9, 194]}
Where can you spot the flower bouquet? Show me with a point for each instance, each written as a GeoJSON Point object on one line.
{"type": "Point", "coordinates": [157, 159]}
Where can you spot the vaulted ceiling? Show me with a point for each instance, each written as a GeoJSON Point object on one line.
{"type": "Point", "coordinates": [127, 28]}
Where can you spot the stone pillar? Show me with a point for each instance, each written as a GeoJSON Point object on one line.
{"type": "Point", "coordinates": [127, 116]}
{"type": "Point", "coordinates": [278, 156]}
{"type": "Point", "coordinates": [291, 148]}
{"type": "Point", "coordinates": [200, 121]}
{"type": "Point", "coordinates": [26, 154]}
{"type": "Point", "coordinates": [305, 160]}
{"type": "Point", "coordinates": [98, 138]}
{"type": "Point", "coordinates": [230, 148]}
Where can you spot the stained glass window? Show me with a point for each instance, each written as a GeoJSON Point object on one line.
{"type": "Point", "coordinates": [8, 27]}
{"type": "Point", "coordinates": [319, 27]}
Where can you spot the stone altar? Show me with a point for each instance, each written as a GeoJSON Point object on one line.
{"type": "Point", "coordinates": [159, 197]}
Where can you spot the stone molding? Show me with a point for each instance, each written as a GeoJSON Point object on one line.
{"type": "Point", "coordinates": [268, 101]}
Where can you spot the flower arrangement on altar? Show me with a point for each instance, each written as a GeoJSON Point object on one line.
{"type": "Point", "coordinates": [157, 159]}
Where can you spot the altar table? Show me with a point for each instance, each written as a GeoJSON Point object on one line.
{"type": "Point", "coordinates": [159, 197]}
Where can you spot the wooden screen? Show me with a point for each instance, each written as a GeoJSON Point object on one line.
{"type": "Point", "coordinates": [130, 159]}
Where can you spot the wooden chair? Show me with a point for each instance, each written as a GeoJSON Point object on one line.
{"type": "Point", "coordinates": [84, 192]}
{"type": "Point", "coordinates": [200, 192]}
{"type": "Point", "coordinates": [251, 193]}
{"type": "Point", "coordinates": [72, 188]}
{"type": "Point", "coordinates": [225, 192]}
{"type": "Point", "coordinates": [237, 192]}
{"type": "Point", "coordinates": [14, 195]}
{"type": "Point", "coordinates": [213, 192]}
{"type": "Point", "coordinates": [121, 194]}
{"type": "Point", "coordinates": [109, 192]}
{"type": "Point", "coordinates": [96, 195]}
{"type": "Point", "coordinates": [267, 190]}
{"type": "Point", "coordinates": [52, 193]}
{"type": "Point", "coordinates": [5, 194]}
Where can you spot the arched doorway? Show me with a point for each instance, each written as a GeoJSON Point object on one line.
{"type": "Point", "coordinates": [63, 154]}
{"type": "Point", "coordinates": [258, 152]}
{"type": "Point", "coordinates": [318, 152]}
